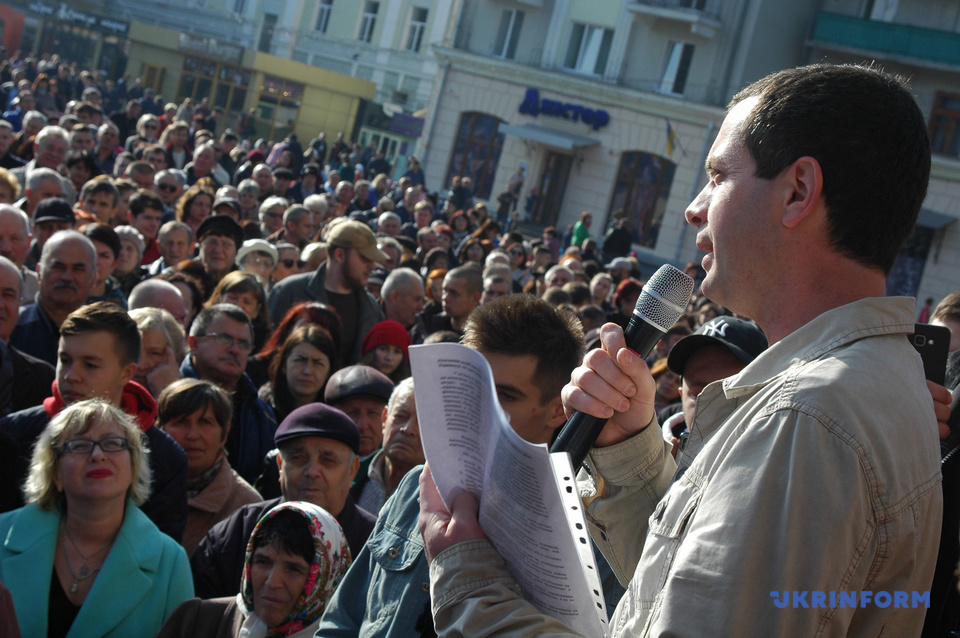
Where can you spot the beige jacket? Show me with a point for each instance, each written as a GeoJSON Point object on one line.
{"type": "Point", "coordinates": [818, 471]}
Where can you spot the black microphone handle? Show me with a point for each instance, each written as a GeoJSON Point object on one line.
{"type": "Point", "coordinates": [580, 432]}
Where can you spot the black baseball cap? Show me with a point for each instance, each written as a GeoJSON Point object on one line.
{"type": "Point", "coordinates": [54, 209]}
{"type": "Point", "coordinates": [742, 338]}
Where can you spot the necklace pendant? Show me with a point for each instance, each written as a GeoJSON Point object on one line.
{"type": "Point", "coordinates": [74, 588]}
{"type": "Point", "coordinates": [84, 571]}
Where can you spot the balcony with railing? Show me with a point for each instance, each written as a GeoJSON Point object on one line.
{"type": "Point", "coordinates": [703, 16]}
{"type": "Point", "coordinates": [901, 41]}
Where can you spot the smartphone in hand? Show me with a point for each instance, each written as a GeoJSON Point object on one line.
{"type": "Point", "coordinates": [932, 343]}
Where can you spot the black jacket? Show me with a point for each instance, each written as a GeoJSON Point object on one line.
{"type": "Point", "coordinates": [32, 378]}
{"type": "Point", "coordinates": [218, 562]}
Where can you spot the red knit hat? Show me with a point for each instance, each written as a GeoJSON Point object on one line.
{"type": "Point", "coordinates": [387, 332]}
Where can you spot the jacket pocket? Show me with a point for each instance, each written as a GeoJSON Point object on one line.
{"type": "Point", "coordinates": [667, 527]}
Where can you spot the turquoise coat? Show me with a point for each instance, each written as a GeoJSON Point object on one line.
{"type": "Point", "coordinates": [146, 575]}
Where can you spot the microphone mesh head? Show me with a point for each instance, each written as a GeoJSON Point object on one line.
{"type": "Point", "coordinates": [665, 297]}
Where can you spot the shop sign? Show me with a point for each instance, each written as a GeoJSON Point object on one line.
{"type": "Point", "coordinates": [68, 14]}
{"type": "Point", "coordinates": [408, 125]}
{"type": "Point", "coordinates": [210, 48]}
{"type": "Point", "coordinates": [533, 105]}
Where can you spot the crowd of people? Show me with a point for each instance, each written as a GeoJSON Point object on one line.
{"type": "Point", "coordinates": [209, 424]}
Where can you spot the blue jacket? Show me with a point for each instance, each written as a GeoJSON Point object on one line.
{"type": "Point", "coordinates": [386, 591]}
{"type": "Point", "coordinates": [145, 576]}
{"type": "Point", "coordinates": [251, 434]}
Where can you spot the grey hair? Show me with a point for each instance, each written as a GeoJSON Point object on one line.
{"type": "Point", "coordinates": [40, 175]}
{"type": "Point", "coordinates": [150, 318]}
{"type": "Point", "coordinates": [317, 203]}
{"type": "Point", "coordinates": [177, 175]}
{"type": "Point", "coordinates": [399, 279]}
{"type": "Point", "coordinates": [400, 393]}
{"type": "Point", "coordinates": [171, 226]}
{"type": "Point", "coordinates": [249, 186]}
{"type": "Point", "coordinates": [50, 132]}
{"type": "Point", "coordinates": [62, 236]}
{"type": "Point", "coordinates": [270, 202]}
{"type": "Point", "coordinates": [34, 115]}
{"type": "Point", "coordinates": [40, 487]}
{"type": "Point", "coordinates": [387, 215]}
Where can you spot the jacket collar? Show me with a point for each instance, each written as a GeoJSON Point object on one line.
{"type": "Point", "coordinates": [829, 331]}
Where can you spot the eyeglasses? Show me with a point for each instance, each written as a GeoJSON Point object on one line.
{"type": "Point", "coordinates": [170, 188]}
{"type": "Point", "coordinates": [109, 445]}
{"type": "Point", "coordinates": [288, 263]}
{"type": "Point", "coordinates": [274, 215]}
{"type": "Point", "coordinates": [517, 253]}
{"type": "Point", "coordinates": [153, 126]}
{"type": "Point", "coordinates": [260, 261]}
{"type": "Point", "coordinates": [226, 341]}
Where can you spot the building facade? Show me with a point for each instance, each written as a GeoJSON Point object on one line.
{"type": "Point", "coordinates": [920, 40]}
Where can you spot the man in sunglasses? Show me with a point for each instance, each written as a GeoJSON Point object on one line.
{"type": "Point", "coordinates": [221, 339]}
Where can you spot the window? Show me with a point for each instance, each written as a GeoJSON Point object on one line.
{"type": "Point", "coordinates": [588, 49]}
{"type": "Point", "coordinates": [278, 107]}
{"type": "Point", "coordinates": [368, 21]}
{"type": "Point", "coordinates": [323, 16]}
{"type": "Point", "coordinates": [676, 66]}
{"type": "Point", "coordinates": [225, 85]}
{"type": "Point", "coordinates": [239, 6]}
{"type": "Point", "coordinates": [945, 124]}
{"type": "Point", "coordinates": [418, 24]}
{"type": "Point", "coordinates": [699, 5]}
{"type": "Point", "coordinates": [511, 20]}
{"type": "Point", "coordinates": [266, 32]}
{"type": "Point", "coordinates": [641, 192]}
{"type": "Point", "coordinates": [476, 153]}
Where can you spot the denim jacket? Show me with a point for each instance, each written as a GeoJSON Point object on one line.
{"type": "Point", "coordinates": [386, 592]}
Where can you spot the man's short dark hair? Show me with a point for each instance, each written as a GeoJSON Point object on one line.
{"type": "Point", "coordinates": [97, 186]}
{"type": "Point", "coordinates": [524, 325]}
{"type": "Point", "coordinates": [471, 274]}
{"type": "Point", "coordinates": [104, 316]}
{"type": "Point", "coordinates": [866, 131]}
{"type": "Point", "coordinates": [144, 199]}
{"type": "Point", "coordinates": [579, 292]}
{"type": "Point", "coordinates": [105, 235]}
{"type": "Point", "coordinates": [207, 316]}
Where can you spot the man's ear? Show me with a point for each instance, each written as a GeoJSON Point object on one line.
{"type": "Point", "coordinates": [803, 189]}
{"type": "Point", "coordinates": [354, 466]}
{"type": "Point", "coordinates": [126, 374]}
{"type": "Point", "coordinates": [279, 461]}
{"type": "Point", "coordinates": [192, 342]}
{"type": "Point", "coordinates": [556, 416]}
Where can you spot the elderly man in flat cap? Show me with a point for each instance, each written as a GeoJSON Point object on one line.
{"type": "Point", "coordinates": [318, 459]}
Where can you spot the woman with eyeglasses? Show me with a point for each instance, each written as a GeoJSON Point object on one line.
{"type": "Point", "coordinates": [81, 559]}
{"type": "Point", "coordinates": [305, 313]}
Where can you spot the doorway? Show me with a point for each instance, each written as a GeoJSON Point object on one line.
{"type": "Point", "coordinates": [553, 183]}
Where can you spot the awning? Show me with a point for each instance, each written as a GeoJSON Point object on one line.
{"type": "Point", "coordinates": [930, 219]}
{"type": "Point", "coordinates": [548, 136]}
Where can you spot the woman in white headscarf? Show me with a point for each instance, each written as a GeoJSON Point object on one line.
{"type": "Point", "coordinates": [295, 559]}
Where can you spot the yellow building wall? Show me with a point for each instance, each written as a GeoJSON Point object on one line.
{"type": "Point", "coordinates": [157, 47]}
{"type": "Point", "coordinates": [330, 100]}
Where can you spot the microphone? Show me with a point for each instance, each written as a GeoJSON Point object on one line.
{"type": "Point", "coordinates": [661, 302]}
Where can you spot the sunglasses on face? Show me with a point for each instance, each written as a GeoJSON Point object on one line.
{"type": "Point", "coordinates": [288, 263]}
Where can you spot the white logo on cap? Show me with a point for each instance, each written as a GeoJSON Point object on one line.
{"type": "Point", "coordinates": [716, 328]}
